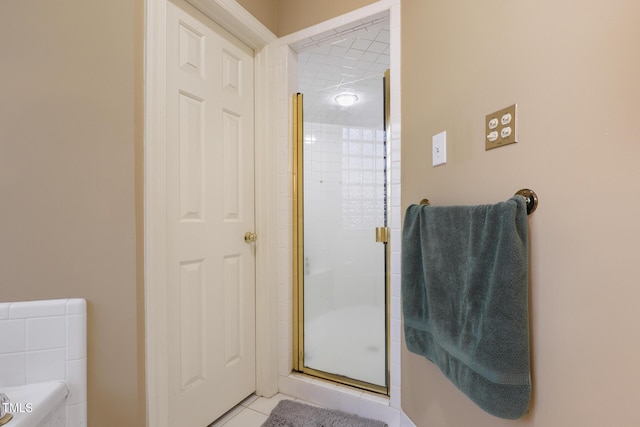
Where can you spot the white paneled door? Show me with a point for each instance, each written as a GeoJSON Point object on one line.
{"type": "Point", "coordinates": [210, 207]}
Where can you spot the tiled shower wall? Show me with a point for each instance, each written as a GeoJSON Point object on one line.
{"type": "Point", "coordinates": [46, 341]}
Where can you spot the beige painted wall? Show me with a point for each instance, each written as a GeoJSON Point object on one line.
{"type": "Point", "coordinates": [70, 174]}
{"type": "Point", "coordinates": [573, 68]}
{"type": "Point", "coordinates": [283, 17]}
{"type": "Point", "coordinates": [265, 11]}
{"type": "Point", "coordinates": [70, 141]}
{"type": "Point", "coordinates": [295, 15]}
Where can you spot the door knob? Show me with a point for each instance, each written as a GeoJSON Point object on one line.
{"type": "Point", "coordinates": [250, 237]}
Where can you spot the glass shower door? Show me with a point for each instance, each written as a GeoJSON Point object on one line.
{"type": "Point", "coordinates": [343, 273]}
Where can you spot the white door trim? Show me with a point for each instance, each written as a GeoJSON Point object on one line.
{"type": "Point", "coordinates": [235, 19]}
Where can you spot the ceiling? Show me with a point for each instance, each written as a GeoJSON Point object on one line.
{"type": "Point", "coordinates": [350, 59]}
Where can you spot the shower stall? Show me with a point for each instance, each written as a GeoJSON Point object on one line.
{"type": "Point", "coordinates": [341, 211]}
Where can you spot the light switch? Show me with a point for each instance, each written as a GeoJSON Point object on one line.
{"type": "Point", "coordinates": [439, 148]}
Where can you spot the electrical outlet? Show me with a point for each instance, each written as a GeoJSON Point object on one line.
{"type": "Point", "coordinates": [439, 148]}
{"type": "Point", "coordinates": [501, 128]}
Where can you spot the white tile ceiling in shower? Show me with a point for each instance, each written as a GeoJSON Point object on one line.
{"type": "Point", "coordinates": [350, 59]}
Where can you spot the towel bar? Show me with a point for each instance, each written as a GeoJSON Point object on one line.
{"type": "Point", "coordinates": [530, 196]}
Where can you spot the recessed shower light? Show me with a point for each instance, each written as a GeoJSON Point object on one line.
{"type": "Point", "coordinates": [346, 99]}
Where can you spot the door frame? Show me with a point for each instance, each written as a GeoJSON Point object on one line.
{"type": "Point", "coordinates": [287, 84]}
{"type": "Point", "coordinates": [235, 19]}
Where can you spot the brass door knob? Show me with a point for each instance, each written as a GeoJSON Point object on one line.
{"type": "Point", "coordinates": [250, 237]}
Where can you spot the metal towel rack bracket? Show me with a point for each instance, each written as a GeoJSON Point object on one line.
{"type": "Point", "coordinates": [530, 196]}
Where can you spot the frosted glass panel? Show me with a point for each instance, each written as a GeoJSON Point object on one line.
{"type": "Point", "coordinates": [344, 267]}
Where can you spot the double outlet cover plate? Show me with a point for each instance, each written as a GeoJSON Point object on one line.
{"type": "Point", "coordinates": [500, 127]}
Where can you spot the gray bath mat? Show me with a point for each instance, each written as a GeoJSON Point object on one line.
{"type": "Point", "coordinates": [295, 414]}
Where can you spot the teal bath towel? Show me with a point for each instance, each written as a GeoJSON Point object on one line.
{"type": "Point", "coordinates": [465, 299]}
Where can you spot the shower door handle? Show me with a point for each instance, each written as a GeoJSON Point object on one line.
{"type": "Point", "coordinates": [382, 234]}
{"type": "Point", "coordinates": [250, 237]}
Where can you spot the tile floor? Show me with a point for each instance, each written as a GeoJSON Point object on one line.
{"type": "Point", "coordinates": [251, 412]}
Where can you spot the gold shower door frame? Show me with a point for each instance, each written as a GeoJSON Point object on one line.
{"type": "Point", "coordinates": [298, 256]}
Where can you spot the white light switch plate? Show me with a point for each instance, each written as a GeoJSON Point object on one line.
{"type": "Point", "coordinates": [439, 148]}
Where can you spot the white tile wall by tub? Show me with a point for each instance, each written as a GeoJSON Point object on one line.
{"type": "Point", "coordinates": [44, 341]}
{"type": "Point", "coordinates": [46, 365]}
{"type": "Point", "coordinates": [46, 332]}
{"type": "Point", "coordinates": [13, 336]}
